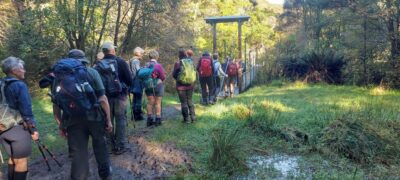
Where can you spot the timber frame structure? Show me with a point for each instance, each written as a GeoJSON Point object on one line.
{"type": "Point", "coordinates": [226, 19]}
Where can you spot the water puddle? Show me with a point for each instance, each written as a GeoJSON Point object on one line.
{"type": "Point", "coordinates": [274, 167]}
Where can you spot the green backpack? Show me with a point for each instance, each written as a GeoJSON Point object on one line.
{"type": "Point", "coordinates": [188, 73]}
{"type": "Point", "coordinates": [9, 117]}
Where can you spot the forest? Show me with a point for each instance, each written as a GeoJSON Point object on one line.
{"type": "Point", "coordinates": [323, 104]}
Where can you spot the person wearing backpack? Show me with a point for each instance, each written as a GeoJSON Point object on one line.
{"type": "Point", "coordinates": [218, 73]}
{"type": "Point", "coordinates": [137, 88]}
{"type": "Point", "coordinates": [185, 75]}
{"type": "Point", "coordinates": [16, 137]}
{"type": "Point", "coordinates": [232, 71]}
{"type": "Point", "coordinates": [117, 78]}
{"type": "Point", "coordinates": [77, 128]}
{"type": "Point", "coordinates": [154, 89]}
{"type": "Point", "coordinates": [205, 70]}
{"type": "Point", "coordinates": [241, 70]}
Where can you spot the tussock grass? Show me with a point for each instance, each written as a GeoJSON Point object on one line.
{"type": "Point", "coordinates": [227, 154]}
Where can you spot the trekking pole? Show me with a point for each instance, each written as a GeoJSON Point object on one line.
{"type": "Point", "coordinates": [49, 152]}
{"type": "Point", "coordinates": [132, 106]}
{"type": "Point", "coordinates": [43, 155]}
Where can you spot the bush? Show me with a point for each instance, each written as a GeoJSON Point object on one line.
{"type": "Point", "coordinates": [357, 140]}
{"type": "Point", "coordinates": [314, 67]}
{"type": "Point", "coordinates": [227, 150]}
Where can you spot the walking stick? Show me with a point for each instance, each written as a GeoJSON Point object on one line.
{"type": "Point", "coordinates": [132, 106]}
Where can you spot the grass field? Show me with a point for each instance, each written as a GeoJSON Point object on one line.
{"type": "Point", "coordinates": [340, 132]}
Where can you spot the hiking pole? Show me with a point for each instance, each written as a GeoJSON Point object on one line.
{"type": "Point", "coordinates": [49, 152]}
{"type": "Point", "coordinates": [43, 155]}
{"type": "Point", "coordinates": [132, 106]}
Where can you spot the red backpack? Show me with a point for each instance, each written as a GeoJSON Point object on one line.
{"type": "Point", "coordinates": [205, 69]}
{"type": "Point", "coordinates": [233, 69]}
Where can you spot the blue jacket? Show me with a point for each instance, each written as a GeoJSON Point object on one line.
{"type": "Point", "coordinates": [18, 97]}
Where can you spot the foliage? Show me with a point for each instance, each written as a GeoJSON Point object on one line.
{"type": "Point", "coordinates": [227, 150]}
{"type": "Point", "coordinates": [314, 67]}
{"type": "Point", "coordinates": [355, 139]}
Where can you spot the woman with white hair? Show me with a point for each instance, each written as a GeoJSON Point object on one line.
{"type": "Point", "coordinates": [137, 88]}
{"type": "Point", "coordinates": [17, 140]}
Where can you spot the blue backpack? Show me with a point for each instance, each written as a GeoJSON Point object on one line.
{"type": "Point", "coordinates": [145, 75]}
{"type": "Point", "coordinates": [72, 91]}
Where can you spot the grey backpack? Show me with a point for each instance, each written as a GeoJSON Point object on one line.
{"type": "Point", "coordinates": [8, 117]}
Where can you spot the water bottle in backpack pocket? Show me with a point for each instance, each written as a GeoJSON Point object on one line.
{"type": "Point", "coordinates": [72, 91]}
{"type": "Point", "coordinates": [108, 70]}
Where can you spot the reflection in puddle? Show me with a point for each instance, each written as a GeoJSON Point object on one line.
{"type": "Point", "coordinates": [274, 167]}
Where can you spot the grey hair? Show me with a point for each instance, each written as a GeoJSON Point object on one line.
{"type": "Point", "coordinates": [153, 54]}
{"type": "Point", "coordinates": [138, 50]}
{"type": "Point", "coordinates": [10, 63]}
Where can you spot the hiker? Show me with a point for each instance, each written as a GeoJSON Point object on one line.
{"type": "Point", "coordinates": [232, 71]}
{"type": "Point", "coordinates": [17, 139]}
{"type": "Point", "coordinates": [137, 88]}
{"type": "Point", "coordinates": [77, 128]}
{"type": "Point", "coordinates": [218, 73]}
{"type": "Point", "coordinates": [185, 76]}
{"type": "Point", "coordinates": [205, 69]}
{"type": "Point", "coordinates": [155, 90]}
{"type": "Point", "coordinates": [116, 78]}
{"type": "Point", "coordinates": [189, 53]}
{"type": "Point", "coordinates": [241, 70]}
{"type": "Point", "coordinates": [99, 56]}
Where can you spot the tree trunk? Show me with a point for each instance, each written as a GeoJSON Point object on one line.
{"type": "Point", "coordinates": [117, 22]}
{"type": "Point", "coordinates": [129, 31]}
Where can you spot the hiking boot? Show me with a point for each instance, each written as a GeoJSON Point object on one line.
{"type": "Point", "coordinates": [158, 121]}
{"type": "Point", "coordinates": [119, 151]}
{"type": "Point", "coordinates": [138, 117]}
{"type": "Point", "coordinates": [193, 118]}
{"type": "Point", "coordinates": [185, 120]}
{"type": "Point", "coordinates": [149, 121]}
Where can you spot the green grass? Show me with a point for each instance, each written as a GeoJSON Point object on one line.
{"type": "Point", "coordinates": [273, 114]}
{"type": "Point", "coordinates": [284, 110]}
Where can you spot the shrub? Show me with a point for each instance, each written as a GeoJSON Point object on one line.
{"type": "Point", "coordinates": [314, 67]}
{"type": "Point", "coordinates": [355, 139]}
{"type": "Point", "coordinates": [227, 150]}
{"type": "Point", "coordinates": [241, 111]}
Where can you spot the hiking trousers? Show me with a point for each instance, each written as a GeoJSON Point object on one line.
{"type": "Point", "coordinates": [207, 89]}
{"type": "Point", "coordinates": [118, 108]}
{"type": "Point", "coordinates": [187, 106]}
{"type": "Point", "coordinates": [137, 103]}
{"type": "Point", "coordinates": [78, 138]}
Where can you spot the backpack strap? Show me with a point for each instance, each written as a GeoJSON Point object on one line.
{"type": "Point", "coordinates": [4, 84]}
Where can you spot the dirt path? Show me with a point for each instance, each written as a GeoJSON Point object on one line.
{"type": "Point", "coordinates": [144, 160]}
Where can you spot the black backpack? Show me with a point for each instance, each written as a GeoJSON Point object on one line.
{"type": "Point", "coordinates": [72, 91]}
{"type": "Point", "coordinates": [108, 70]}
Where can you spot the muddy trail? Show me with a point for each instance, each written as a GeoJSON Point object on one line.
{"type": "Point", "coordinates": [143, 160]}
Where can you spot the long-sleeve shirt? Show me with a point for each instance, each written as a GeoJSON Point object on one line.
{"type": "Point", "coordinates": [219, 71]}
{"type": "Point", "coordinates": [18, 98]}
{"type": "Point", "coordinates": [175, 74]}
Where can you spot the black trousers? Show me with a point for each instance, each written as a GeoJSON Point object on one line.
{"type": "Point", "coordinates": [187, 106]}
{"type": "Point", "coordinates": [207, 88]}
{"type": "Point", "coordinates": [78, 137]}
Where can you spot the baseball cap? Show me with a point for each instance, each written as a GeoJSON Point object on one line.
{"type": "Point", "coordinates": [108, 45]}
{"type": "Point", "coordinates": [78, 54]}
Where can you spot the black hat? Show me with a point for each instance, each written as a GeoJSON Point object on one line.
{"type": "Point", "coordinates": [78, 54]}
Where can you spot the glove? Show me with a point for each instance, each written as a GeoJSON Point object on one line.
{"type": "Point", "coordinates": [29, 126]}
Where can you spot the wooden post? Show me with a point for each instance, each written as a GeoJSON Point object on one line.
{"type": "Point", "coordinates": [240, 39]}
{"type": "Point", "coordinates": [214, 29]}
